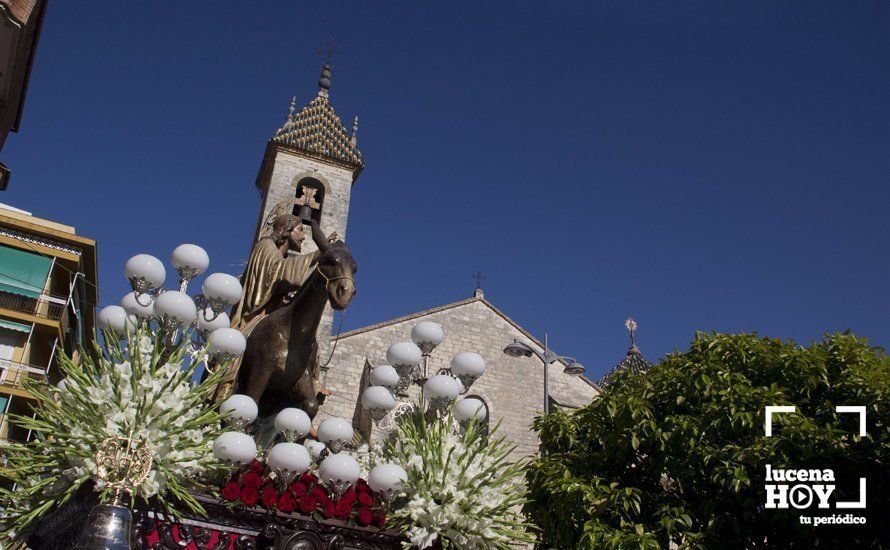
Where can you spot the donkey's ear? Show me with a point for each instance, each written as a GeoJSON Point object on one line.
{"type": "Point", "coordinates": [318, 237]}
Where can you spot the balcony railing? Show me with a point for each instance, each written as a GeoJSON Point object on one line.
{"type": "Point", "coordinates": [46, 306]}
{"type": "Point", "coordinates": [14, 374]}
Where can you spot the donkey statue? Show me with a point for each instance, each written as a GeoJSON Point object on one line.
{"type": "Point", "coordinates": [279, 364]}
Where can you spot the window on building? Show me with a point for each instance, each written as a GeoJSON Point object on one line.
{"type": "Point", "coordinates": [23, 407]}
{"type": "Point", "coordinates": [23, 273]}
{"type": "Point", "coordinates": [22, 278]}
{"type": "Point", "coordinates": [10, 339]}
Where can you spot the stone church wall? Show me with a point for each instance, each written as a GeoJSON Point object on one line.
{"type": "Point", "coordinates": [513, 388]}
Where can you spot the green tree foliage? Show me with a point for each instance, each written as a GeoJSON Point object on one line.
{"type": "Point", "coordinates": [679, 453]}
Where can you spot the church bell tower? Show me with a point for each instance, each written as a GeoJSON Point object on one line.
{"type": "Point", "coordinates": [311, 163]}
{"type": "Point", "coordinates": [310, 166]}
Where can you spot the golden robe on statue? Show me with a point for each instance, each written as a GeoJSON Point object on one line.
{"type": "Point", "coordinates": [268, 271]}
{"type": "Point", "coordinates": [269, 279]}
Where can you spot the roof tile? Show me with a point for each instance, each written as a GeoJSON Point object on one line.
{"type": "Point", "coordinates": [316, 129]}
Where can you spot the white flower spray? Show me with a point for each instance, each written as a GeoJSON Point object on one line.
{"type": "Point", "coordinates": [461, 489]}
{"type": "Point", "coordinates": [140, 389]}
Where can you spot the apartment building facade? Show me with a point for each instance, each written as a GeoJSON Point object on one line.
{"type": "Point", "coordinates": [47, 296]}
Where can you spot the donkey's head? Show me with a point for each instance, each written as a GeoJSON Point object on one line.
{"type": "Point", "coordinates": [337, 267]}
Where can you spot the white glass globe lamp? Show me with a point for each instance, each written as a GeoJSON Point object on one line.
{"type": "Point", "coordinates": [338, 471]}
{"type": "Point", "coordinates": [405, 358]}
{"type": "Point", "coordinates": [142, 308]}
{"type": "Point", "coordinates": [387, 480]}
{"type": "Point", "coordinates": [145, 272]}
{"type": "Point", "coordinates": [209, 321]}
{"type": "Point", "coordinates": [468, 409]}
{"type": "Point", "coordinates": [427, 335]}
{"type": "Point", "coordinates": [441, 387]}
{"type": "Point", "coordinates": [384, 375]}
{"type": "Point", "coordinates": [335, 432]}
{"type": "Point", "coordinates": [292, 423]}
{"type": "Point", "coordinates": [189, 260]}
{"type": "Point", "coordinates": [221, 291]}
{"type": "Point", "coordinates": [316, 448]}
{"type": "Point", "coordinates": [225, 344]}
{"type": "Point", "coordinates": [467, 366]}
{"type": "Point", "coordinates": [116, 320]}
{"type": "Point", "coordinates": [174, 309]}
{"type": "Point", "coordinates": [240, 410]}
{"type": "Point", "coordinates": [234, 448]}
{"type": "Point", "coordinates": [288, 460]}
{"type": "Point", "coordinates": [378, 400]}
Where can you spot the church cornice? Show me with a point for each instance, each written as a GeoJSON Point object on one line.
{"type": "Point", "coordinates": [356, 168]}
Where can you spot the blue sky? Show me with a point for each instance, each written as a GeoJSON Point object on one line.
{"type": "Point", "coordinates": [698, 165]}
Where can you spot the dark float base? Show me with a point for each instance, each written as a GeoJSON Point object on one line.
{"type": "Point", "coordinates": [220, 529]}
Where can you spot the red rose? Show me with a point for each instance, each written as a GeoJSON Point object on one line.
{"type": "Point", "coordinates": [349, 494]}
{"type": "Point", "coordinates": [379, 520]}
{"type": "Point", "coordinates": [252, 479]}
{"type": "Point", "coordinates": [365, 499]}
{"type": "Point", "coordinates": [318, 493]}
{"type": "Point", "coordinates": [343, 508]}
{"type": "Point", "coordinates": [249, 496]}
{"type": "Point", "coordinates": [287, 503]}
{"type": "Point", "coordinates": [307, 504]}
{"type": "Point", "coordinates": [361, 485]}
{"type": "Point", "coordinates": [256, 466]}
{"type": "Point", "coordinates": [299, 488]}
{"type": "Point", "coordinates": [308, 479]}
{"type": "Point", "coordinates": [327, 508]}
{"type": "Point", "coordinates": [270, 497]}
{"type": "Point", "coordinates": [364, 516]}
{"type": "Point", "coordinates": [231, 491]}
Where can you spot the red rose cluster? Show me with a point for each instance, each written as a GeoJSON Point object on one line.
{"type": "Point", "coordinates": [252, 486]}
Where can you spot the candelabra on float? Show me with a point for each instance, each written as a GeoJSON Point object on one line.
{"type": "Point", "coordinates": [409, 364]}
{"type": "Point", "coordinates": [174, 310]}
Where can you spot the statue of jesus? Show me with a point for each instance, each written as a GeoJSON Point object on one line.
{"type": "Point", "coordinates": [271, 274]}
{"type": "Point", "coordinates": [271, 278]}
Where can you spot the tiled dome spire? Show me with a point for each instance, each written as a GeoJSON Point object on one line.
{"type": "Point", "coordinates": [317, 130]}
{"type": "Point", "coordinates": [634, 361]}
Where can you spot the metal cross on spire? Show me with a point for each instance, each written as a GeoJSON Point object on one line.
{"type": "Point", "coordinates": [324, 83]}
{"type": "Point", "coordinates": [479, 278]}
{"type": "Point", "coordinates": [330, 48]}
{"type": "Point", "coordinates": [631, 325]}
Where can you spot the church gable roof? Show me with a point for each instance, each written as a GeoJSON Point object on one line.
{"type": "Point", "coordinates": [317, 130]}
{"type": "Point", "coordinates": [409, 317]}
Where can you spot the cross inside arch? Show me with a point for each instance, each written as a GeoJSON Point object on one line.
{"type": "Point", "coordinates": [306, 203]}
